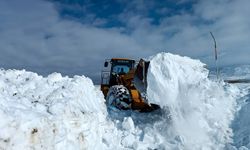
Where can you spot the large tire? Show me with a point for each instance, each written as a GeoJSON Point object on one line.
{"type": "Point", "coordinates": [119, 97]}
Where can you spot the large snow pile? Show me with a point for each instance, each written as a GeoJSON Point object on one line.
{"type": "Point", "coordinates": [49, 113]}
{"type": "Point", "coordinates": [201, 110]}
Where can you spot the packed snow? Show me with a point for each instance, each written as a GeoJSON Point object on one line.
{"type": "Point", "coordinates": [49, 113]}
{"type": "Point", "coordinates": [58, 112]}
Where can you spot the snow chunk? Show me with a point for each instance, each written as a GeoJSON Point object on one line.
{"type": "Point", "coordinates": [128, 123]}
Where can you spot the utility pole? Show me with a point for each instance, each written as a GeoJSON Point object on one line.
{"type": "Point", "coordinates": [215, 56]}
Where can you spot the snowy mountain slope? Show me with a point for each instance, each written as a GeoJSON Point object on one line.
{"type": "Point", "coordinates": [58, 112]}
{"type": "Point", "coordinates": [236, 72]}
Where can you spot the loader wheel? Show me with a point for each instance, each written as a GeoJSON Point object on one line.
{"type": "Point", "coordinates": [119, 97]}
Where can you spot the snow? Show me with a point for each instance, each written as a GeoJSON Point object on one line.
{"type": "Point", "coordinates": [201, 110]}
{"type": "Point", "coordinates": [49, 113]}
{"type": "Point", "coordinates": [58, 112]}
{"type": "Point", "coordinates": [241, 122]}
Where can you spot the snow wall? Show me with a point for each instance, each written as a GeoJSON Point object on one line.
{"type": "Point", "coordinates": [58, 112]}
{"type": "Point", "coordinates": [49, 113]}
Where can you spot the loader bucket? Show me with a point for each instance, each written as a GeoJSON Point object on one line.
{"type": "Point", "coordinates": [140, 78]}
{"type": "Point", "coordinates": [140, 83]}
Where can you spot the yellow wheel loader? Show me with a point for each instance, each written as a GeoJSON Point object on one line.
{"type": "Point", "coordinates": [124, 84]}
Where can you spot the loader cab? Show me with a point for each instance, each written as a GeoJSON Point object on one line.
{"type": "Point", "coordinates": [115, 66]}
{"type": "Point", "coordinates": [121, 66]}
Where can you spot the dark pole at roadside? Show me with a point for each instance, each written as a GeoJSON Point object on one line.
{"type": "Point", "coordinates": [215, 55]}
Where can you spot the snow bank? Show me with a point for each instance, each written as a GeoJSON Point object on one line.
{"type": "Point", "coordinates": [49, 113]}
{"type": "Point", "coordinates": [201, 110]}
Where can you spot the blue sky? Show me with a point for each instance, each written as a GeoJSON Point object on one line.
{"type": "Point", "coordinates": [76, 36]}
{"type": "Point", "coordinates": [107, 13]}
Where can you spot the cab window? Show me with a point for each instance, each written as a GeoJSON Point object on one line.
{"type": "Point", "coordinates": [120, 69]}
